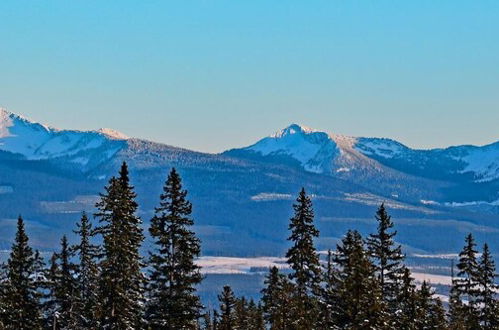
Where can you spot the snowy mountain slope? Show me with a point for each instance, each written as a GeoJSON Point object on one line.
{"type": "Point", "coordinates": [322, 152]}
{"type": "Point", "coordinates": [34, 141]}
{"type": "Point", "coordinates": [242, 198]}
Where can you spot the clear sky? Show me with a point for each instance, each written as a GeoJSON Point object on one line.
{"type": "Point", "coordinates": [211, 75]}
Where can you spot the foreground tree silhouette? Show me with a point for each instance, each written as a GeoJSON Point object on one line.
{"type": "Point", "coordinates": [387, 257]}
{"type": "Point", "coordinates": [489, 308]}
{"type": "Point", "coordinates": [304, 262]}
{"type": "Point", "coordinates": [360, 304]}
{"type": "Point", "coordinates": [277, 299]}
{"type": "Point", "coordinates": [228, 316]}
{"type": "Point", "coordinates": [121, 281]}
{"type": "Point", "coordinates": [172, 287]}
{"type": "Point", "coordinates": [62, 290]}
{"type": "Point", "coordinates": [465, 287]}
{"type": "Point", "coordinates": [19, 294]}
{"type": "Point", "coordinates": [87, 275]}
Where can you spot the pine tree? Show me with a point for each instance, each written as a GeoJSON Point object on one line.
{"type": "Point", "coordinates": [304, 261]}
{"type": "Point", "coordinates": [62, 289]}
{"type": "Point", "coordinates": [227, 309]}
{"type": "Point", "coordinates": [121, 281]}
{"type": "Point", "coordinates": [429, 313]}
{"type": "Point", "coordinates": [465, 286]}
{"type": "Point", "coordinates": [174, 276]}
{"type": "Point", "coordinates": [20, 291]}
{"type": "Point", "coordinates": [387, 257]}
{"type": "Point", "coordinates": [360, 305]}
{"type": "Point", "coordinates": [87, 275]}
{"type": "Point", "coordinates": [242, 314]}
{"type": "Point", "coordinates": [489, 319]}
{"type": "Point", "coordinates": [406, 314]}
{"type": "Point", "coordinates": [329, 294]}
{"type": "Point", "coordinates": [277, 299]}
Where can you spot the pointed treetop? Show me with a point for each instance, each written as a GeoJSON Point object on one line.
{"type": "Point", "coordinates": [124, 173]}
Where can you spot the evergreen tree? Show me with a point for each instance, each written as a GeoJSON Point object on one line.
{"type": "Point", "coordinates": [329, 295]}
{"type": "Point", "coordinates": [277, 299]}
{"type": "Point", "coordinates": [62, 288]}
{"type": "Point", "coordinates": [465, 286]}
{"type": "Point", "coordinates": [489, 319]}
{"type": "Point", "coordinates": [121, 281]}
{"type": "Point", "coordinates": [430, 313]}
{"type": "Point", "coordinates": [304, 261]}
{"type": "Point", "coordinates": [360, 305]}
{"type": "Point", "coordinates": [406, 314]}
{"type": "Point", "coordinates": [228, 316]}
{"type": "Point", "coordinates": [85, 305]}
{"type": "Point", "coordinates": [174, 276]}
{"type": "Point", "coordinates": [387, 257]}
{"type": "Point", "coordinates": [20, 290]}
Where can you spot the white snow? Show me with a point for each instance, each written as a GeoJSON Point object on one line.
{"type": "Point", "coordinates": [230, 265]}
{"type": "Point", "coordinates": [483, 162]}
{"type": "Point", "coordinates": [36, 141]}
{"type": "Point", "coordinates": [314, 150]}
{"type": "Point", "coordinates": [265, 197]}
{"type": "Point", "coordinates": [380, 147]}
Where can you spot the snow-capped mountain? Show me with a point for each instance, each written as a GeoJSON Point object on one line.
{"type": "Point", "coordinates": [34, 141]}
{"type": "Point", "coordinates": [242, 198]}
{"type": "Point", "coordinates": [325, 153]}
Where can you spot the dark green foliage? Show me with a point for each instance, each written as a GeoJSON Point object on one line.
{"type": "Point", "coordinates": [466, 287]}
{"type": "Point", "coordinates": [487, 291]}
{"type": "Point", "coordinates": [304, 262]}
{"type": "Point", "coordinates": [228, 315]}
{"type": "Point", "coordinates": [86, 302]}
{"type": "Point", "coordinates": [407, 303]}
{"type": "Point", "coordinates": [430, 313]}
{"type": "Point", "coordinates": [173, 303]}
{"type": "Point", "coordinates": [277, 299]}
{"type": "Point", "coordinates": [329, 294]}
{"type": "Point", "coordinates": [121, 280]}
{"type": "Point", "coordinates": [63, 290]}
{"type": "Point", "coordinates": [360, 304]}
{"type": "Point", "coordinates": [387, 257]}
{"type": "Point", "coordinates": [20, 290]}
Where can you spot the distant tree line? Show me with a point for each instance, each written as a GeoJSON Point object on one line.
{"type": "Point", "coordinates": [362, 284]}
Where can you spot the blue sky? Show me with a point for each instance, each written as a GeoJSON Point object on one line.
{"type": "Point", "coordinates": [211, 75]}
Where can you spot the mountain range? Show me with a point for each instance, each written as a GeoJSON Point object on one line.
{"type": "Point", "coordinates": [242, 197]}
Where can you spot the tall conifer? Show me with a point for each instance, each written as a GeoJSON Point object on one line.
{"type": "Point", "coordinates": [121, 281]}
{"type": "Point", "coordinates": [387, 257]}
{"type": "Point", "coordinates": [304, 262]}
{"type": "Point", "coordinates": [87, 275]}
{"type": "Point", "coordinates": [174, 276]}
{"type": "Point", "coordinates": [20, 291]}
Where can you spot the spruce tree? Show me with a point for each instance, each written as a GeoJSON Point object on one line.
{"type": "Point", "coordinates": [406, 314]}
{"type": "Point", "coordinates": [304, 262]}
{"type": "Point", "coordinates": [228, 315]}
{"type": "Point", "coordinates": [329, 293]}
{"type": "Point", "coordinates": [62, 288]}
{"type": "Point", "coordinates": [87, 274]}
{"type": "Point", "coordinates": [360, 305]}
{"type": "Point", "coordinates": [20, 290]}
{"type": "Point", "coordinates": [387, 257]}
{"type": "Point", "coordinates": [277, 300]}
{"type": "Point", "coordinates": [487, 291]}
{"type": "Point", "coordinates": [121, 281]}
{"type": "Point", "coordinates": [429, 311]}
{"type": "Point", "coordinates": [465, 286]}
{"type": "Point", "coordinates": [174, 276]}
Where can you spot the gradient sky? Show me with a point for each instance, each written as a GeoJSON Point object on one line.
{"type": "Point", "coordinates": [211, 75]}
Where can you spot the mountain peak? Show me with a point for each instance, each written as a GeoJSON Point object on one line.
{"type": "Point", "coordinates": [113, 134]}
{"type": "Point", "coordinates": [293, 129]}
